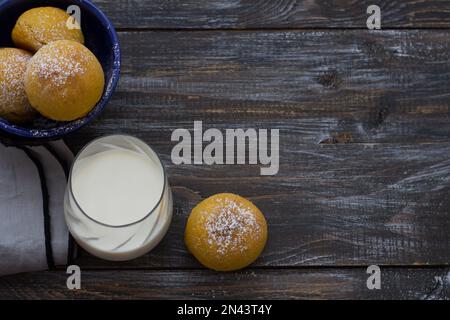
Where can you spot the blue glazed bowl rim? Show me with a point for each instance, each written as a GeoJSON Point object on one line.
{"type": "Point", "coordinates": [72, 126]}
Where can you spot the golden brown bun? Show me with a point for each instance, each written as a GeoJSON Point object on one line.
{"type": "Point", "coordinates": [14, 105]}
{"type": "Point", "coordinates": [226, 232]}
{"type": "Point", "coordinates": [39, 26]}
{"type": "Point", "coordinates": [64, 80]}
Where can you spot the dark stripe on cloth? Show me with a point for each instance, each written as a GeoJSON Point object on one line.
{"type": "Point", "coordinates": [65, 167]}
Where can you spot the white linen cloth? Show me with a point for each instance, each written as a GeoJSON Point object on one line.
{"type": "Point", "coordinates": [33, 232]}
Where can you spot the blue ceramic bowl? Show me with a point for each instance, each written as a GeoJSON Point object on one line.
{"type": "Point", "coordinates": [100, 38]}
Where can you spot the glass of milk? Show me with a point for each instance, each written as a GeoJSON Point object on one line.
{"type": "Point", "coordinates": [118, 202]}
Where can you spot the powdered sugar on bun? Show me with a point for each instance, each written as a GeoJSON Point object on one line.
{"type": "Point", "coordinates": [38, 27]}
{"type": "Point", "coordinates": [226, 232]}
{"type": "Point", "coordinates": [64, 80]}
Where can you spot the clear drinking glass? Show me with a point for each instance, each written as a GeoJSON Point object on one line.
{"type": "Point", "coordinates": [118, 242]}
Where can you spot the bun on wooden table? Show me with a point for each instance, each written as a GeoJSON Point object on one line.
{"type": "Point", "coordinates": [226, 232]}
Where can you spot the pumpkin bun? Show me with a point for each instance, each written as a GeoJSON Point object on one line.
{"type": "Point", "coordinates": [39, 26]}
{"type": "Point", "coordinates": [14, 105]}
{"type": "Point", "coordinates": [64, 80]}
{"type": "Point", "coordinates": [226, 232]}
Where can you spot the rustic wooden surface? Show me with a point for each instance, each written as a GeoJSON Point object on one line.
{"type": "Point", "coordinates": [311, 283]}
{"type": "Point", "coordinates": [242, 14]}
{"type": "Point", "coordinates": [364, 145]}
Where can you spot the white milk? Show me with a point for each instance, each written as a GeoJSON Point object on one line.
{"type": "Point", "coordinates": [118, 203]}
{"type": "Point", "coordinates": [117, 187]}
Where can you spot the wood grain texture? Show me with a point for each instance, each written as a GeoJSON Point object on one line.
{"type": "Point", "coordinates": [365, 145]}
{"type": "Point", "coordinates": [250, 284]}
{"type": "Point", "coordinates": [234, 14]}
{"type": "Point", "coordinates": [329, 205]}
{"type": "Point", "coordinates": [338, 86]}
{"type": "Point", "coordinates": [365, 153]}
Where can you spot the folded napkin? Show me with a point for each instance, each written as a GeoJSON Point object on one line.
{"type": "Point", "coordinates": [33, 232]}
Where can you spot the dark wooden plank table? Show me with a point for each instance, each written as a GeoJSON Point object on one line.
{"type": "Point", "coordinates": [364, 119]}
